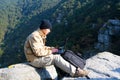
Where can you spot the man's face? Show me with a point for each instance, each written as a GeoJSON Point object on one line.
{"type": "Point", "coordinates": [46, 31]}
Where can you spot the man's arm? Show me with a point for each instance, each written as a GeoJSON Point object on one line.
{"type": "Point", "coordinates": [37, 46]}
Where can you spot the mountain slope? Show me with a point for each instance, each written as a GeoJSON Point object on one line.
{"type": "Point", "coordinates": [70, 18]}
{"type": "Point", "coordinates": [84, 20]}
{"type": "Point", "coordinates": [14, 38]}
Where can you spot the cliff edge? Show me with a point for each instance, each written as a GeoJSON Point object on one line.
{"type": "Point", "coordinates": [103, 66]}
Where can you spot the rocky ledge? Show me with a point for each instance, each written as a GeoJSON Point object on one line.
{"type": "Point", "coordinates": [24, 71]}
{"type": "Point", "coordinates": [103, 66]}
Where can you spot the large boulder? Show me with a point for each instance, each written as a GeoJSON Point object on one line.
{"type": "Point", "coordinates": [103, 66]}
{"type": "Point", "coordinates": [105, 35]}
{"type": "Point", "coordinates": [24, 71]}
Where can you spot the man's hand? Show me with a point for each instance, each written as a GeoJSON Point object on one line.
{"type": "Point", "coordinates": [54, 50]}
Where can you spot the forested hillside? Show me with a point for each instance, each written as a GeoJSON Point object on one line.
{"type": "Point", "coordinates": [79, 20]}
{"type": "Point", "coordinates": [8, 15]}
{"type": "Point", "coordinates": [30, 13]}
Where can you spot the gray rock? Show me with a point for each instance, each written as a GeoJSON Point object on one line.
{"type": "Point", "coordinates": [109, 29]}
{"type": "Point", "coordinates": [23, 71]}
{"type": "Point", "coordinates": [103, 66]}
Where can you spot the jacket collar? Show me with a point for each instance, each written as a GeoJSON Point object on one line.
{"type": "Point", "coordinates": [41, 33]}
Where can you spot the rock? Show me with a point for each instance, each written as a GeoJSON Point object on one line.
{"type": "Point", "coordinates": [109, 29]}
{"type": "Point", "coordinates": [103, 66]}
{"type": "Point", "coordinates": [24, 71]}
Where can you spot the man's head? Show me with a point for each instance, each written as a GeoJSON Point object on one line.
{"type": "Point", "coordinates": [45, 26]}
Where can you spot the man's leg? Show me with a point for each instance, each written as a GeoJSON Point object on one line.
{"type": "Point", "coordinates": [55, 60]}
{"type": "Point", "coordinates": [64, 65]}
{"type": "Point", "coordinates": [59, 62]}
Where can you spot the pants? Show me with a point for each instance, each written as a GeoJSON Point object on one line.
{"type": "Point", "coordinates": [56, 60]}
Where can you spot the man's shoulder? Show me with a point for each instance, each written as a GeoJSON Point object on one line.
{"type": "Point", "coordinates": [36, 32]}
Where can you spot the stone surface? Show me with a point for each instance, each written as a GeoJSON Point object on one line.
{"type": "Point", "coordinates": [103, 66]}
{"type": "Point", "coordinates": [109, 29]}
{"type": "Point", "coordinates": [24, 71]}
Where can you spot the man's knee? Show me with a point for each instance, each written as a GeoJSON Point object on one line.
{"type": "Point", "coordinates": [57, 56]}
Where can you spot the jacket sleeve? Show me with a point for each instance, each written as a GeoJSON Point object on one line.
{"type": "Point", "coordinates": [38, 47]}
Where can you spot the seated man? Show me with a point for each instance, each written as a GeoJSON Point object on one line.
{"type": "Point", "coordinates": [40, 55]}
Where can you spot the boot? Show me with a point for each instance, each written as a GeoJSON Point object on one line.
{"type": "Point", "coordinates": [80, 73]}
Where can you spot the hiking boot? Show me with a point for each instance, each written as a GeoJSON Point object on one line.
{"type": "Point", "coordinates": [80, 73]}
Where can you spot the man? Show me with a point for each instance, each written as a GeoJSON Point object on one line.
{"type": "Point", "coordinates": [40, 55]}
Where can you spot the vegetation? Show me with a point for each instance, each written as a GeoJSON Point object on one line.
{"type": "Point", "coordinates": [79, 20]}
{"type": "Point", "coordinates": [27, 19]}
{"type": "Point", "coordinates": [81, 17]}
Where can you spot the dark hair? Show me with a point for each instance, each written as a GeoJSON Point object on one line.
{"type": "Point", "coordinates": [45, 24]}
